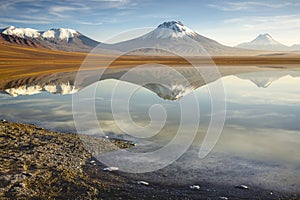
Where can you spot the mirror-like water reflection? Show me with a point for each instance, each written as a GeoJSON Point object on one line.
{"type": "Point", "coordinates": [259, 144]}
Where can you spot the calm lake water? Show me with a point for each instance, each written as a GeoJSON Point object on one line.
{"type": "Point", "coordinates": [259, 145]}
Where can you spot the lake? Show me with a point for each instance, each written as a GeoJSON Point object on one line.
{"type": "Point", "coordinates": [258, 146]}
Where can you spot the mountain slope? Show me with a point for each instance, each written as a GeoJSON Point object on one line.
{"type": "Point", "coordinates": [295, 47]}
{"type": "Point", "coordinates": [21, 41]}
{"type": "Point", "coordinates": [264, 42]}
{"type": "Point", "coordinates": [173, 36]}
{"type": "Point", "coordinates": [59, 39]}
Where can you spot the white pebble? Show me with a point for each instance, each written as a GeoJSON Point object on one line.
{"type": "Point", "coordinates": [245, 187]}
{"type": "Point", "coordinates": [224, 198]}
{"type": "Point", "coordinates": [142, 183]}
{"type": "Point", "coordinates": [110, 169]}
{"type": "Point", "coordinates": [195, 187]}
{"type": "Point", "coordinates": [93, 162]}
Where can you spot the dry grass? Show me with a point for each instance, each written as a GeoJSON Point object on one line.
{"type": "Point", "coordinates": [19, 61]}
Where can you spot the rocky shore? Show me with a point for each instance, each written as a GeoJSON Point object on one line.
{"type": "Point", "coordinates": [40, 164]}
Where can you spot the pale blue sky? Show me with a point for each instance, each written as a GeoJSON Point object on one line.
{"type": "Point", "coordinates": [229, 22]}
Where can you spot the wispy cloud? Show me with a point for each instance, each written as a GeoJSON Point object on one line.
{"type": "Point", "coordinates": [251, 5]}
{"type": "Point", "coordinates": [90, 23]}
{"type": "Point", "coordinates": [266, 22]}
{"type": "Point", "coordinates": [23, 21]}
{"type": "Point", "coordinates": [71, 11]}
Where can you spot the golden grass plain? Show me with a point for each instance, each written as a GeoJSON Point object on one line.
{"type": "Point", "coordinates": [18, 61]}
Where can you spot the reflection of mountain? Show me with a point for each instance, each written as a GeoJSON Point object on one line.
{"type": "Point", "coordinates": [170, 93]}
{"type": "Point", "coordinates": [167, 83]}
{"type": "Point", "coordinates": [64, 88]}
{"type": "Point", "coordinates": [265, 79]}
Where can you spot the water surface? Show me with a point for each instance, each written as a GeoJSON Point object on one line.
{"type": "Point", "coordinates": [258, 146]}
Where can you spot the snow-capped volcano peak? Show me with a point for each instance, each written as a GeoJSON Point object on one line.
{"type": "Point", "coordinates": [171, 29]}
{"type": "Point", "coordinates": [265, 39]}
{"type": "Point", "coordinates": [59, 33]}
{"type": "Point", "coordinates": [266, 36]}
{"type": "Point", "coordinates": [264, 42]}
{"type": "Point", "coordinates": [176, 26]}
{"type": "Point", "coordinates": [21, 32]}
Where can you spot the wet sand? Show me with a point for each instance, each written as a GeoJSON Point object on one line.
{"type": "Point", "coordinates": [39, 164]}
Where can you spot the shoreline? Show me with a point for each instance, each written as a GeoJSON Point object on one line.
{"type": "Point", "coordinates": [38, 163]}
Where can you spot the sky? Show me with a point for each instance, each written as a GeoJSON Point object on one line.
{"type": "Point", "coordinates": [229, 22]}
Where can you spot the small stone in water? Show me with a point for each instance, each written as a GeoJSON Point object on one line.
{"type": "Point", "coordinates": [142, 183]}
{"type": "Point", "coordinates": [244, 187]}
{"type": "Point", "coordinates": [224, 198]}
{"type": "Point", "coordinates": [110, 169]}
{"type": "Point", "coordinates": [195, 187]}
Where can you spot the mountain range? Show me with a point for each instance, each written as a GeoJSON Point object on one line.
{"type": "Point", "coordinates": [60, 39]}
{"type": "Point", "coordinates": [169, 36]}
{"type": "Point", "coordinates": [174, 37]}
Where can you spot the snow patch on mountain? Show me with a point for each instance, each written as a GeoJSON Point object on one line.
{"type": "Point", "coordinates": [21, 32]}
{"type": "Point", "coordinates": [61, 33]}
{"type": "Point", "coordinates": [172, 29]}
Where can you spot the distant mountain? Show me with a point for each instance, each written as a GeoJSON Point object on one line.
{"type": "Point", "coordinates": [59, 39]}
{"type": "Point", "coordinates": [295, 47]}
{"type": "Point", "coordinates": [264, 42]}
{"type": "Point", "coordinates": [173, 36]}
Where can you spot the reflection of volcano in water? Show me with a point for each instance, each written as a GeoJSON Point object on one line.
{"type": "Point", "coordinates": [173, 92]}
{"type": "Point", "coordinates": [170, 93]}
{"type": "Point", "coordinates": [167, 83]}
{"type": "Point", "coordinates": [64, 88]}
{"type": "Point", "coordinates": [265, 79]}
